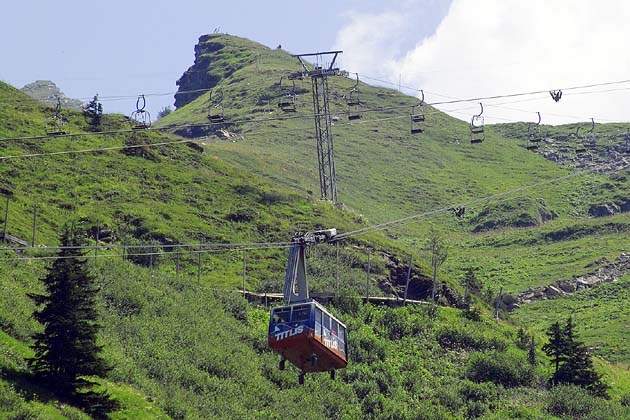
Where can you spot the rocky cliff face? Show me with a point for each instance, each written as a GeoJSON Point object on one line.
{"type": "Point", "coordinates": [47, 92]}
{"type": "Point", "coordinates": [216, 57]}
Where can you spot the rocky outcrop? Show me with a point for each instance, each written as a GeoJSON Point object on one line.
{"type": "Point", "coordinates": [603, 210]}
{"type": "Point", "coordinates": [217, 56]}
{"type": "Point", "coordinates": [606, 273]}
{"type": "Point", "coordinates": [47, 92]}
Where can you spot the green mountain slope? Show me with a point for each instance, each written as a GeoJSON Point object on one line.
{"type": "Point", "coordinates": [183, 345]}
{"type": "Point", "coordinates": [532, 237]}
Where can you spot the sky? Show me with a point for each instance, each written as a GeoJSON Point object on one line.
{"type": "Point", "coordinates": [447, 48]}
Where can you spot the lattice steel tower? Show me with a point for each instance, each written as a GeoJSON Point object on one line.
{"type": "Point", "coordinates": [323, 121]}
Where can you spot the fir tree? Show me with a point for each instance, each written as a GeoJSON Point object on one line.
{"type": "Point", "coordinates": [573, 363]}
{"type": "Point", "coordinates": [531, 351]}
{"type": "Point", "coordinates": [66, 351]}
{"type": "Point", "coordinates": [93, 112]}
{"type": "Point", "coordinates": [555, 348]}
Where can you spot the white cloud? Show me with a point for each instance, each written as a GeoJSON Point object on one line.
{"type": "Point", "coordinates": [493, 47]}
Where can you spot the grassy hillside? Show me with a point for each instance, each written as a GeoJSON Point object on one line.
{"type": "Point", "coordinates": [600, 312]}
{"type": "Point", "coordinates": [533, 237]}
{"type": "Point", "coordinates": [383, 171]}
{"type": "Point", "coordinates": [185, 346]}
{"type": "Point", "coordinates": [182, 351]}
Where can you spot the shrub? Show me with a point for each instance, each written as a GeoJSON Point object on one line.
{"type": "Point", "coordinates": [459, 338]}
{"type": "Point", "coordinates": [501, 368]}
{"type": "Point", "coordinates": [571, 401]}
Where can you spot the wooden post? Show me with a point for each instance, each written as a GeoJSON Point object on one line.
{"type": "Point", "coordinates": [177, 261]}
{"type": "Point", "coordinates": [407, 283]}
{"type": "Point", "coordinates": [434, 285]}
{"type": "Point", "coordinates": [337, 273]}
{"type": "Point", "coordinates": [244, 269]}
{"type": "Point", "coordinates": [367, 280]}
{"type": "Point", "coordinates": [498, 305]}
{"type": "Point", "coordinates": [199, 267]}
{"type": "Point", "coordinates": [34, 226]}
{"type": "Point", "coordinates": [6, 220]}
{"type": "Point", "coordinates": [98, 238]}
{"type": "Point", "coordinates": [467, 293]}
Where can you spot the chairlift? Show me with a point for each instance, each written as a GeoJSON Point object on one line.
{"type": "Point", "coordinates": [354, 100]}
{"type": "Point", "coordinates": [556, 95]}
{"type": "Point", "coordinates": [477, 134]}
{"type": "Point", "coordinates": [288, 103]}
{"type": "Point", "coordinates": [141, 119]}
{"type": "Point", "coordinates": [57, 122]}
{"type": "Point", "coordinates": [216, 114]}
{"type": "Point", "coordinates": [417, 118]}
{"type": "Point", "coordinates": [533, 135]}
{"type": "Point", "coordinates": [303, 331]}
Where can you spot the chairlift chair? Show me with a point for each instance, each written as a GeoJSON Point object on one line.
{"type": "Point", "coordinates": [477, 133]}
{"type": "Point", "coordinates": [140, 118]}
{"type": "Point", "coordinates": [57, 122]}
{"type": "Point", "coordinates": [288, 102]}
{"type": "Point", "coordinates": [417, 118]}
{"type": "Point", "coordinates": [216, 114]}
{"type": "Point", "coordinates": [354, 100]}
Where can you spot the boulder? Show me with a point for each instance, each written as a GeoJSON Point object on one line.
{"type": "Point", "coordinates": [567, 287]}
{"type": "Point", "coordinates": [602, 210]}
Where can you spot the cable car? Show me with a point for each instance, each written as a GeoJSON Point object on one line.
{"type": "Point", "coordinates": [477, 134]}
{"type": "Point", "coordinates": [141, 119]}
{"type": "Point", "coordinates": [309, 337]}
{"type": "Point", "coordinates": [302, 331]}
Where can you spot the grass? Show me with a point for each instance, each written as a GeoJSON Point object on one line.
{"type": "Point", "coordinates": [600, 313]}
{"type": "Point", "coordinates": [184, 348]}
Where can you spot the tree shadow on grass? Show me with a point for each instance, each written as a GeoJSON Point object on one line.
{"type": "Point", "coordinates": [97, 404]}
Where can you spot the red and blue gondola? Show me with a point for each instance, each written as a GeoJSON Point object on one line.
{"type": "Point", "coordinates": [309, 337]}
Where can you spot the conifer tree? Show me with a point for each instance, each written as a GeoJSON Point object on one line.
{"type": "Point", "coordinates": [93, 112]}
{"type": "Point", "coordinates": [531, 351]}
{"type": "Point", "coordinates": [66, 350]}
{"type": "Point", "coordinates": [555, 348]}
{"type": "Point", "coordinates": [573, 363]}
{"type": "Point", "coordinates": [579, 369]}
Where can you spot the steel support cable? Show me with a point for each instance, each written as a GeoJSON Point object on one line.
{"type": "Point", "coordinates": [119, 255]}
{"type": "Point", "coordinates": [224, 245]}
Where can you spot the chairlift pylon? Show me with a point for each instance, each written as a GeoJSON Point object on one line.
{"type": "Point", "coordinates": [417, 118]}
{"type": "Point", "coordinates": [353, 100]}
{"type": "Point", "coordinates": [57, 122]}
{"type": "Point", "coordinates": [477, 133]}
{"type": "Point", "coordinates": [216, 114]}
{"type": "Point", "coordinates": [533, 134]}
{"type": "Point", "coordinates": [141, 119]}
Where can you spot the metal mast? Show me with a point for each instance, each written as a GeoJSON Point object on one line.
{"type": "Point", "coordinates": [323, 121]}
